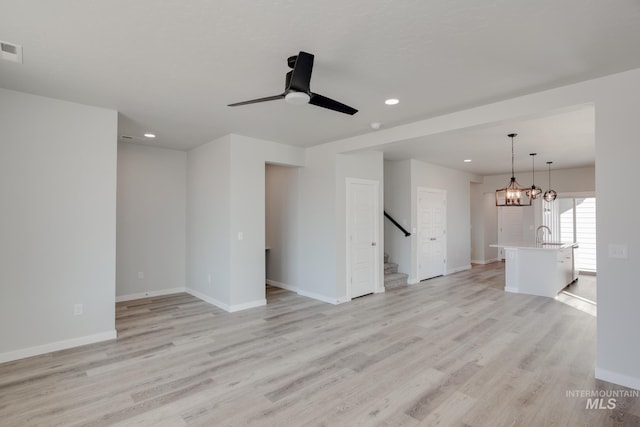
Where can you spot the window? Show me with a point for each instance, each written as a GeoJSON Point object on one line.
{"type": "Point", "coordinates": [573, 219]}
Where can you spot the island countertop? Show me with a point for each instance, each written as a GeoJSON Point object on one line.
{"type": "Point", "coordinates": [529, 245]}
{"type": "Point", "coordinates": [542, 269]}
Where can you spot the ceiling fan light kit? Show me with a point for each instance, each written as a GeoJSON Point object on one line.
{"type": "Point", "coordinates": [297, 88]}
{"type": "Point", "coordinates": [297, 98]}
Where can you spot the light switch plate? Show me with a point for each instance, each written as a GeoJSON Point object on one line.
{"type": "Point", "coordinates": [618, 251]}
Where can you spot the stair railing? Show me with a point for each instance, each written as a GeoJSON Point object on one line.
{"type": "Point", "coordinates": [394, 222]}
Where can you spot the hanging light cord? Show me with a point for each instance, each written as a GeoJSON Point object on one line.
{"type": "Point", "coordinates": [533, 169]}
{"type": "Point", "coordinates": [513, 175]}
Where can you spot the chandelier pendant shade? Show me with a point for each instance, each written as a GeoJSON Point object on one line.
{"type": "Point", "coordinates": [550, 195]}
{"type": "Point", "coordinates": [534, 191]}
{"type": "Point", "coordinates": [513, 194]}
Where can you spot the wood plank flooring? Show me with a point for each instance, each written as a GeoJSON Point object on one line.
{"type": "Point", "coordinates": [451, 351]}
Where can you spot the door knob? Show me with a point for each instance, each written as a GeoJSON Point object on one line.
{"type": "Point", "coordinates": [433, 238]}
{"type": "Point", "coordinates": [373, 243]}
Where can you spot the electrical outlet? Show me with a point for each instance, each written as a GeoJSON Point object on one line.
{"type": "Point", "coordinates": [240, 235]}
{"type": "Point", "coordinates": [77, 309]}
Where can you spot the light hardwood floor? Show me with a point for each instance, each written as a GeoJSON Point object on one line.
{"type": "Point", "coordinates": [451, 351]}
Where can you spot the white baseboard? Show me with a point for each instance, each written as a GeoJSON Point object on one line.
{"type": "Point", "coordinates": [282, 285]}
{"type": "Point", "coordinates": [616, 378]}
{"type": "Point", "coordinates": [120, 298]}
{"type": "Point", "coordinates": [484, 261]}
{"type": "Point", "coordinates": [224, 306]}
{"type": "Point", "coordinates": [412, 281]}
{"type": "Point", "coordinates": [511, 289]}
{"type": "Point", "coordinates": [457, 269]}
{"type": "Point", "coordinates": [208, 299]}
{"type": "Point", "coordinates": [247, 305]}
{"type": "Point", "coordinates": [323, 298]}
{"type": "Point", "coordinates": [56, 346]}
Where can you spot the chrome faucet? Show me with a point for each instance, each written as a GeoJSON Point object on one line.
{"type": "Point", "coordinates": [542, 227]}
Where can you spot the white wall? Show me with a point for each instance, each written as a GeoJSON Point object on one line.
{"type": "Point", "coordinates": [477, 225]}
{"type": "Point", "coordinates": [208, 221]}
{"type": "Point", "coordinates": [457, 186]}
{"type": "Point", "coordinates": [490, 228]}
{"type": "Point", "coordinates": [226, 218]}
{"type": "Point", "coordinates": [58, 224]}
{"type": "Point", "coordinates": [573, 180]}
{"type": "Point", "coordinates": [282, 225]}
{"type": "Point", "coordinates": [617, 154]}
{"type": "Point", "coordinates": [151, 221]}
{"type": "Point", "coordinates": [318, 225]}
{"type": "Point", "coordinates": [323, 218]}
{"type": "Point", "coordinates": [402, 179]}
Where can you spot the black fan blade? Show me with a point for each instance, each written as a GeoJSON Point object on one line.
{"type": "Point", "coordinates": [254, 101]}
{"type": "Point", "coordinates": [324, 102]}
{"type": "Point", "coordinates": [301, 75]}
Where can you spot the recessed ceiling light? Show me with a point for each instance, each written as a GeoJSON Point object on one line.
{"type": "Point", "coordinates": [391, 101]}
{"type": "Point", "coordinates": [467, 160]}
{"type": "Point", "coordinates": [149, 135]}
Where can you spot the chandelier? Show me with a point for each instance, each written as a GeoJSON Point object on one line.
{"type": "Point", "coordinates": [513, 194]}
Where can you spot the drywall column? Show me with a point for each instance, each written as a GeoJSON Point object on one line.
{"type": "Point", "coordinates": [617, 154]}
{"type": "Point", "coordinates": [226, 218]}
{"type": "Point", "coordinates": [318, 276]}
{"type": "Point", "coordinates": [247, 219]}
{"type": "Point", "coordinates": [208, 222]}
{"type": "Point", "coordinates": [58, 224]}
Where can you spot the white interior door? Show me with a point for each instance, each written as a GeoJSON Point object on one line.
{"type": "Point", "coordinates": [362, 237]}
{"type": "Point", "coordinates": [431, 218]}
{"type": "Point", "coordinates": [509, 226]}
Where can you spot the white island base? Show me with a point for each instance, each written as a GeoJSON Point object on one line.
{"type": "Point", "coordinates": [543, 269]}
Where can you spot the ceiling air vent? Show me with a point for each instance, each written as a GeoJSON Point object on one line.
{"type": "Point", "coordinates": [11, 52]}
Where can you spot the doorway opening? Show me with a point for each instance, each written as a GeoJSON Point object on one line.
{"type": "Point", "coordinates": [281, 227]}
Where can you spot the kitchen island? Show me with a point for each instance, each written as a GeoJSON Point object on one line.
{"type": "Point", "coordinates": [542, 269]}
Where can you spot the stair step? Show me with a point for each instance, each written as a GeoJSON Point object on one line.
{"type": "Point", "coordinates": [395, 279]}
{"type": "Point", "coordinates": [390, 267]}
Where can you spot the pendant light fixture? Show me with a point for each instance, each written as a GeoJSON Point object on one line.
{"type": "Point", "coordinates": [550, 195]}
{"type": "Point", "coordinates": [512, 194]}
{"type": "Point", "coordinates": [534, 191]}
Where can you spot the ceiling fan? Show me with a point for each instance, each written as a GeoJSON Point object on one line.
{"type": "Point", "coordinates": [297, 90]}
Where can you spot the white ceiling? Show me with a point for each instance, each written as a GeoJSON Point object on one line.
{"type": "Point", "coordinates": [170, 66]}
{"type": "Point", "coordinates": [565, 138]}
